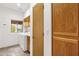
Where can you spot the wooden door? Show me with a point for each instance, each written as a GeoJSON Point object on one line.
{"type": "Point", "coordinates": [65, 29]}
{"type": "Point", "coordinates": [38, 30]}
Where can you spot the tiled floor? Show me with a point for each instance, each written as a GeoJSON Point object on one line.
{"type": "Point", "coordinates": [12, 51]}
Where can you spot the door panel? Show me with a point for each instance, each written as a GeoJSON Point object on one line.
{"type": "Point", "coordinates": [38, 25]}
{"type": "Point", "coordinates": [65, 18]}
{"type": "Point", "coordinates": [65, 47]}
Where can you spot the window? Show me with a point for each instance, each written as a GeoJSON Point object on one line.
{"type": "Point", "coordinates": [13, 28]}
{"type": "Point", "coordinates": [19, 28]}
{"type": "Point", "coordinates": [16, 26]}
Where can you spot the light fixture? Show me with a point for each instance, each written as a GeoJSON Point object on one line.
{"type": "Point", "coordinates": [18, 4]}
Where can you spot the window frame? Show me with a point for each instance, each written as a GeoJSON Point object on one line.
{"type": "Point", "coordinates": [17, 22]}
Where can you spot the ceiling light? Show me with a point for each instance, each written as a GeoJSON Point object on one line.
{"type": "Point", "coordinates": [18, 4]}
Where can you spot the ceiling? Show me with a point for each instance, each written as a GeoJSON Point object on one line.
{"type": "Point", "coordinates": [22, 8]}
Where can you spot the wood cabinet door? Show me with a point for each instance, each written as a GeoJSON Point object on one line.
{"type": "Point", "coordinates": [64, 29]}
{"type": "Point", "coordinates": [38, 29]}
{"type": "Point", "coordinates": [28, 43]}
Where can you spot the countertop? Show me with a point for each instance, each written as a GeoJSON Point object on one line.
{"type": "Point", "coordinates": [25, 34]}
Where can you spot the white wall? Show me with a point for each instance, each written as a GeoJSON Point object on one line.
{"type": "Point", "coordinates": [6, 37]}
{"type": "Point", "coordinates": [47, 29]}
{"type": "Point", "coordinates": [27, 13]}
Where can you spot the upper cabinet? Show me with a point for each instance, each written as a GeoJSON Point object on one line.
{"type": "Point", "coordinates": [27, 21]}
{"type": "Point", "coordinates": [26, 24]}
